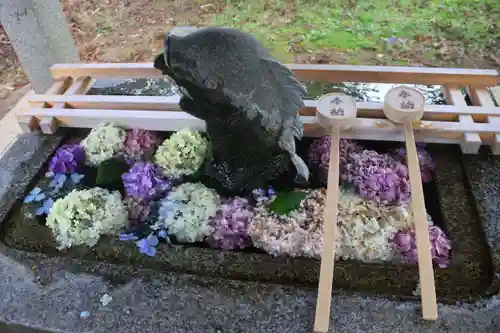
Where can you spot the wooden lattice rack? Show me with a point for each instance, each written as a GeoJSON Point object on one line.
{"type": "Point", "coordinates": [66, 104]}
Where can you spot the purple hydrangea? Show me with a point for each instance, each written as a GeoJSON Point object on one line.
{"type": "Point", "coordinates": [427, 165]}
{"type": "Point", "coordinates": [231, 224]}
{"type": "Point", "coordinates": [68, 158]}
{"type": "Point", "coordinates": [406, 244]}
{"type": "Point", "coordinates": [319, 154]}
{"type": "Point", "coordinates": [144, 181]}
{"type": "Point", "coordinates": [139, 142]}
{"type": "Point", "coordinates": [138, 209]}
{"type": "Point", "coordinates": [377, 177]}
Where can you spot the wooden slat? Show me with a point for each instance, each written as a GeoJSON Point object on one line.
{"type": "Point", "coordinates": [481, 97]}
{"type": "Point", "coordinates": [472, 141]}
{"type": "Point", "coordinates": [319, 73]}
{"type": "Point", "coordinates": [81, 85]}
{"type": "Point", "coordinates": [365, 109]}
{"type": "Point", "coordinates": [30, 124]}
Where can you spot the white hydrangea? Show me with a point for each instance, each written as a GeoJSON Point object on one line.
{"type": "Point", "coordinates": [103, 142]}
{"type": "Point", "coordinates": [187, 210]}
{"type": "Point", "coordinates": [182, 154]}
{"type": "Point", "coordinates": [82, 216]}
{"type": "Point", "coordinates": [366, 227]}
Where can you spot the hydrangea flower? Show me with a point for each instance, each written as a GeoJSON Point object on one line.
{"type": "Point", "coordinates": [138, 209]}
{"type": "Point", "coordinates": [230, 225]}
{"type": "Point", "coordinates": [103, 142]}
{"type": "Point", "coordinates": [406, 243]}
{"type": "Point", "coordinates": [128, 237]}
{"type": "Point", "coordinates": [299, 233]}
{"type": "Point", "coordinates": [82, 216]}
{"type": "Point", "coordinates": [262, 195]}
{"type": "Point", "coordinates": [46, 207]}
{"type": "Point", "coordinates": [138, 143]}
{"type": "Point", "coordinates": [68, 158]}
{"type": "Point", "coordinates": [427, 164]}
{"type": "Point", "coordinates": [182, 154]}
{"type": "Point", "coordinates": [319, 154]}
{"type": "Point", "coordinates": [377, 177]}
{"type": "Point", "coordinates": [186, 212]}
{"type": "Point", "coordinates": [36, 195]}
{"type": "Point", "coordinates": [144, 181]}
{"type": "Point", "coordinates": [148, 245]}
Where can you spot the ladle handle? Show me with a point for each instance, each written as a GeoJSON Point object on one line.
{"type": "Point", "coordinates": [426, 272]}
{"type": "Point", "coordinates": [322, 318]}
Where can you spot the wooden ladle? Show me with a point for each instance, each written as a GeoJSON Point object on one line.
{"type": "Point", "coordinates": [405, 105]}
{"type": "Point", "coordinates": [335, 112]}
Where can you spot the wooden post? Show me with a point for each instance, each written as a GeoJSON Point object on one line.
{"type": "Point", "coordinates": [335, 112]}
{"type": "Point", "coordinates": [405, 105]}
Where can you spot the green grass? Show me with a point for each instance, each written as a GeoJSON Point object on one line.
{"type": "Point", "coordinates": [365, 24]}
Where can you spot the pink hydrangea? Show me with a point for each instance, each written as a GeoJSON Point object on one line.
{"type": "Point", "coordinates": [377, 177]}
{"type": "Point", "coordinates": [427, 165]}
{"type": "Point", "coordinates": [230, 225]}
{"type": "Point", "coordinates": [140, 142]}
{"type": "Point", "coordinates": [405, 242]}
{"type": "Point", "coordinates": [319, 154]}
{"type": "Point", "coordinates": [138, 209]}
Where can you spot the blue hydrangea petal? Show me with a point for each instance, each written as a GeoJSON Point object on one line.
{"type": "Point", "coordinates": [36, 191]}
{"type": "Point", "coordinates": [29, 198]}
{"type": "Point", "coordinates": [128, 237]}
{"type": "Point", "coordinates": [163, 234]}
{"type": "Point", "coordinates": [61, 179]}
{"type": "Point", "coordinates": [40, 211]}
{"type": "Point", "coordinates": [47, 204]}
{"type": "Point", "coordinates": [40, 197]}
{"type": "Point", "coordinates": [152, 240]}
{"type": "Point", "coordinates": [142, 245]}
{"type": "Point", "coordinates": [76, 178]}
{"type": "Point", "coordinates": [151, 251]}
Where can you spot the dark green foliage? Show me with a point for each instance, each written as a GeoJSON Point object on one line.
{"type": "Point", "coordinates": [286, 202]}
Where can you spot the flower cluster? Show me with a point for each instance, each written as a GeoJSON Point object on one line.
{"type": "Point", "coordinates": [186, 212]}
{"type": "Point", "coordinates": [182, 154]}
{"type": "Point", "coordinates": [138, 209]}
{"type": "Point", "coordinates": [366, 227]}
{"type": "Point", "coordinates": [68, 158]}
{"type": "Point", "coordinates": [103, 142]}
{"type": "Point", "coordinates": [427, 165]}
{"type": "Point", "coordinates": [377, 177]}
{"type": "Point", "coordinates": [319, 154]}
{"type": "Point", "coordinates": [230, 225]}
{"type": "Point", "coordinates": [144, 181]}
{"type": "Point", "coordinates": [299, 233]}
{"type": "Point", "coordinates": [82, 216]}
{"type": "Point", "coordinates": [139, 143]}
{"type": "Point", "coordinates": [405, 242]}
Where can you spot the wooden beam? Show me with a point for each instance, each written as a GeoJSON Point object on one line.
{"type": "Point", "coordinates": [319, 73]}
{"type": "Point", "coordinates": [365, 109]}
{"type": "Point", "coordinates": [365, 128]}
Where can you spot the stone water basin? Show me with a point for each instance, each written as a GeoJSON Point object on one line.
{"type": "Point", "coordinates": [448, 201]}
